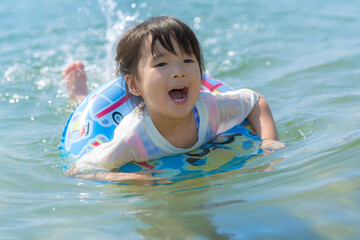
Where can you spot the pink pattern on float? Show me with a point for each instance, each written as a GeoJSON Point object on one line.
{"type": "Point", "coordinates": [113, 107]}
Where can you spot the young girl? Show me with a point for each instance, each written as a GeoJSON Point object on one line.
{"type": "Point", "coordinates": [162, 63]}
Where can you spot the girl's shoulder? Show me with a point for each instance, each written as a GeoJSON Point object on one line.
{"type": "Point", "coordinates": [132, 122]}
{"type": "Point", "coordinates": [241, 94]}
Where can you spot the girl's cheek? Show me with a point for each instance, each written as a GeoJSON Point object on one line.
{"type": "Point", "coordinates": [158, 73]}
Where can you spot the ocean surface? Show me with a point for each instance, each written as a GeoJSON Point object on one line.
{"type": "Point", "coordinates": [302, 56]}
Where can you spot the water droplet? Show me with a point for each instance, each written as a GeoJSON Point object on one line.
{"type": "Point", "coordinates": [302, 135]}
{"type": "Point", "coordinates": [197, 20]}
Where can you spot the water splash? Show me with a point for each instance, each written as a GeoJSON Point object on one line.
{"type": "Point", "coordinates": [117, 22]}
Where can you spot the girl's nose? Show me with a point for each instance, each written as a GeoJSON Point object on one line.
{"type": "Point", "coordinates": [178, 75]}
{"type": "Point", "coordinates": [178, 71]}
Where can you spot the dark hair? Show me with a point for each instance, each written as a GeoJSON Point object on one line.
{"type": "Point", "coordinates": [128, 50]}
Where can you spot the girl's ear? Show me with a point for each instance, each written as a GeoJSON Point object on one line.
{"type": "Point", "coordinates": [133, 89]}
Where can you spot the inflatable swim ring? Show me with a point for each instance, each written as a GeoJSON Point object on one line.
{"type": "Point", "coordinates": [94, 120]}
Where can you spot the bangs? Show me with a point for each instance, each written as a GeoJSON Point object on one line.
{"type": "Point", "coordinates": [162, 29]}
{"type": "Point", "coordinates": [164, 39]}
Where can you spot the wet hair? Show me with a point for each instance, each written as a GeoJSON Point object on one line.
{"type": "Point", "coordinates": [128, 50]}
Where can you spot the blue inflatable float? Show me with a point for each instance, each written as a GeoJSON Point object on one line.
{"type": "Point", "coordinates": [94, 120]}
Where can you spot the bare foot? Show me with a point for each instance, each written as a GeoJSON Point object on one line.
{"type": "Point", "coordinates": [75, 81]}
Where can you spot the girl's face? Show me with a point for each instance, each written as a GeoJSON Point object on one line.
{"type": "Point", "coordinates": [169, 84]}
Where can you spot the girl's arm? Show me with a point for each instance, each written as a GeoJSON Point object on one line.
{"type": "Point", "coordinates": [137, 178]}
{"type": "Point", "coordinates": [142, 178]}
{"type": "Point", "coordinates": [97, 164]}
{"type": "Point", "coordinates": [263, 122]}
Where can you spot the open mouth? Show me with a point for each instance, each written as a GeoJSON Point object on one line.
{"type": "Point", "coordinates": [179, 94]}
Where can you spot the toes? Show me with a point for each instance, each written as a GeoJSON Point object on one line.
{"type": "Point", "coordinates": [79, 64]}
{"type": "Point", "coordinates": [68, 70]}
{"type": "Point", "coordinates": [75, 65]}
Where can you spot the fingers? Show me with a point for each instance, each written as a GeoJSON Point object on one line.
{"type": "Point", "coordinates": [269, 146]}
{"type": "Point", "coordinates": [72, 171]}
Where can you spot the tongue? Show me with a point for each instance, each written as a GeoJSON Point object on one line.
{"type": "Point", "coordinates": [176, 94]}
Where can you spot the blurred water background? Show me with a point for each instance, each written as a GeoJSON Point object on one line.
{"type": "Point", "coordinates": [303, 56]}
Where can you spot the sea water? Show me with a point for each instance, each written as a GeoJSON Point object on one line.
{"type": "Point", "coordinates": [302, 56]}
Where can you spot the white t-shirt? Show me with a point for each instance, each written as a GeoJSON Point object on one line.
{"type": "Point", "coordinates": [137, 139]}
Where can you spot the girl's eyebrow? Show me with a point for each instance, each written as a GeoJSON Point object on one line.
{"type": "Point", "coordinates": [158, 55]}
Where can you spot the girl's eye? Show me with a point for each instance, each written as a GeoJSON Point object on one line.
{"type": "Point", "coordinates": [188, 61]}
{"type": "Point", "coordinates": [162, 64]}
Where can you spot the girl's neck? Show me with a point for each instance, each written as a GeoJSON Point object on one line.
{"type": "Point", "coordinates": [181, 133]}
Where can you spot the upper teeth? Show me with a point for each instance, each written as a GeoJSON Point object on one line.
{"type": "Point", "coordinates": [178, 88]}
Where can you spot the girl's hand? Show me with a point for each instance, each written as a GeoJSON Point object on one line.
{"type": "Point", "coordinates": [269, 145]}
{"type": "Point", "coordinates": [72, 171]}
